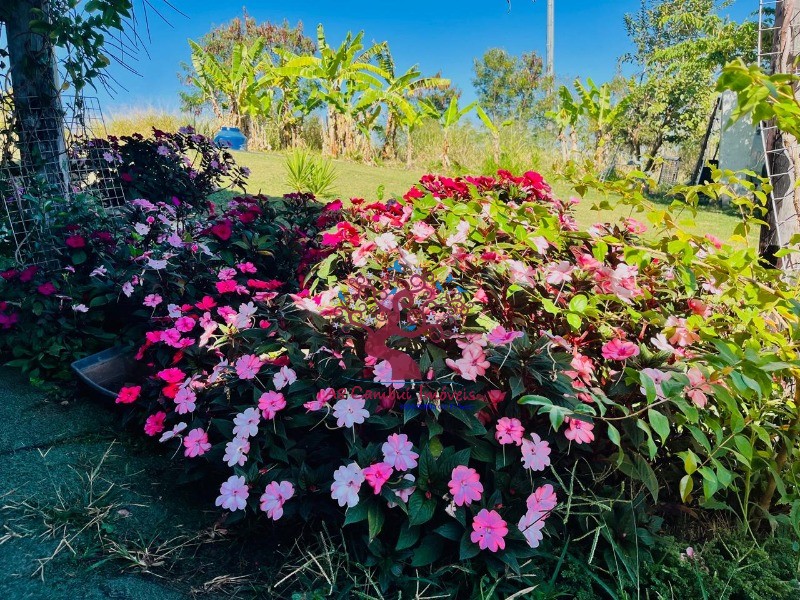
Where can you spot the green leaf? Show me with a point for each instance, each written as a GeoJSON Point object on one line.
{"type": "Point", "coordinates": [578, 303]}
{"type": "Point", "coordinates": [420, 508]}
{"type": "Point", "coordinates": [466, 548]}
{"type": "Point", "coordinates": [357, 513]}
{"type": "Point", "coordinates": [429, 551]}
{"type": "Point", "coordinates": [686, 485]}
{"type": "Point", "coordinates": [640, 470]}
{"type": "Point", "coordinates": [660, 423]}
{"type": "Point", "coordinates": [409, 534]}
{"type": "Point", "coordinates": [450, 531]}
{"type": "Point", "coordinates": [613, 435]}
{"type": "Point", "coordinates": [375, 518]}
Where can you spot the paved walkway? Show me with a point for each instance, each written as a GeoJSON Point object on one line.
{"type": "Point", "coordinates": [74, 485]}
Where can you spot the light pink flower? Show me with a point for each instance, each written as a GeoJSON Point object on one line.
{"type": "Point", "coordinates": [489, 530]}
{"type": "Point", "coordinates": [350, 411]}
{"type": "Point", "coordinates": [386, 242]}
{"type": "Point", "coordinates": [247, 366]}
{"type": "Point", "coordinates": [472, 363]}
{"type": "Point", "coordinates": [152, 300]}
{"type": "Point", "coordinates": [226, 274]}
{"type": "Point", "coordinates": [509, 431]}
{"type": "Point", "coordinates": [531, 525]}
{"type": "Point", "coordinates": [399, 453]}
{"type": "Point", "coordinates": [583, 366]}
{"type": "Point", "coordinates": [404, 493]}
{"type": "Point", "coordinates": [658, 378]}
{"type": "Point", "coordinates": [236, 451]}
{"type": "Point", "coordinates": [246, 423]}
{"type": "Point", "coordinates": [196, 443]}
{"type": "Point", "coordinates": [540, 243]}
{"type": "Point", "coordinates": [579, 431]}
{"type": "Point", "coordinates": [270, 403]}
{"type": "Point", "coordinates": [321, 400]}
{"type": "Point", "coordinates": [284, 377]}
{"type": "Point", "coordinates": [377, 474]}
{"type": "Point", "coordinates": [543, 499]}
{"type": "Point", "coordinates": [174, 432]}
{"type": "Point", "coordinates": [535, 453]}
{"type": "Point", "coordinates": [465, 485]}
{"type": "Point", "coordinates": [681, 335]}
{"type": "Point", "coordinates": [233, 494]}
{"type": "Point", "coordinates": [185, 400]}
{"type": "Point", "coordinates": [346, 485]}
{"type": "Point", "coordinates": [500, 337]}
{"type": "Point", "coordinates": [274, 497]}
{"type": "Point", "coordinates": [421, 231]}
{"type": "Point", "coordinates": [383, 375]}
{"type": "Point", "coordinates": [618, 349]}
{"type": "Point", "coordinates": [560, 273]}
{"type": "Point", "coordinates": [461, 234]}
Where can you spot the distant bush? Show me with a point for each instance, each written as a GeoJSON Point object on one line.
{"type": "Point", "coordinates": [309, 172]}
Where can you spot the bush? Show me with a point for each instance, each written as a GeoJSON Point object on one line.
{"type": "Point", "coordinates": [311, 173]}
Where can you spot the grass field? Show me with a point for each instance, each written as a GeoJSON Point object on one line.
{"type": "Point", "coordinates": [357, 180]}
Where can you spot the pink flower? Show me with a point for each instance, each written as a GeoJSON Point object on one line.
{"type": "Point", "coordinates": [270, 403]}
{"type": "Point", "coordinates": [226, 274]}
{"type": "Point", "coordinates": [383, 375]}
{"type": "Point", "coordinates": [172, 375]}
{"type": "Point", "coordinates": [618, 349]}
{"type": "Point", "coordinates": [535, 453]}
{"type": "Point", "coordinates": [152, 300]}
{"type": "Point", "coordinates": [226, 287]}
{"type": "Point", "coordinates": [421, 231]}
{"type": "Point", "coordinates": [699, 387]}
{"type": "Point", "coordinates": [350, 411]}
{"type": "Point", "coordinates": [246, 423]}
{"type": "Point", "coordinates": [461, 234]}
{"type": "Point", "coordinates": [274, 497]}
{"type": "Point", "coordinates": [284, 377]}
{"type": "Point", "coordinates": [185, 400]}
{"type": "Point", "coordinates": [404, 493]}
{"type": "Point", "coordinates": [233, 494]}
{"type": "Point", "coordinates": [377, 474]}
{"type": "Point", "coordinates": [658, 378]}
{"type": "Point", "coordinates": [500, 337]}
{"type": "Point", "coordinates": [196, 442]}
{"type": "Point", "coordinates": [681, 336]}
{"type": "Point", "coordinates": [346, 485]}
{"type": "Point", "coordinates": [155, 423]}
{"type": "Point", "coordinates": [715, 241]}
{"type": "Point", "coordinates": [543, 499]}
{"type": "Point", "coordinates": [185, 324]}
{"type": "Point", "coordinates": [583, 366]}
{"type": "Point", "coordinates": [489, 530]}
{"type": "Point", "coordinates": [472, 363]}
{"type": "Point", "coordinates": [579, 431]}
{"type": "Point", "coordinates": [495, 397]}
{"type": "Point", "coordinates": [247, 366]}
{"type": "Point", "coordinates": [560, 273]}
{"type": "Point", "coordinates": [246, 267]}
{"type": "Point", "coordinates": [322, 399]}
{"type": "Point", "coordinates": [509, 431]}
{"type": "Point", "coordinates": [465, 485]}
{"type": "Point", "coordinates": [399, 453]}
{"type": "Point", "coordinates": [127, 395]}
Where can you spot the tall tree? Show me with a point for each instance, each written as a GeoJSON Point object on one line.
{"type": "Point", "coordinates": [510, 87]}
{"type": "Point", "coordinates": [680, 45]}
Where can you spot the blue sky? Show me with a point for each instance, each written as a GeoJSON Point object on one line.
{"type": "Point", "coordinates": [436, 34]}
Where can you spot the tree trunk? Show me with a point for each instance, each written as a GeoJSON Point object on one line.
{"type": "Point", "coordinates": [446, 151]}
{"type": "Point", "coordinates": [409, 148]}
{"type": "Point", "coordinates": [36, 93]}
{"type": "Point", "coordinates": [390, 146]}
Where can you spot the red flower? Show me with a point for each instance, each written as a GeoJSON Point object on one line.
{"type": "Point", "coordinates": [226, 287]}
{"type": "Point", "coordinates": [126, 177]}
{"type": "Point", "coordinates": [413, 194]}
{"type": "Point", "coordinates": [223, 230]}
{"type": "Point", "coordinates": [9, 274]}
{"type": "Point", "coordinates": [28, 274]}
{"type": "Point", "coordinates": [207, 303]}
{"type": "Point", "coordinates": [257, 284]}
{"type": "Point", "coordinates": [46, 289]}
{"type": "Point", "coordinates": [76, 241]}
{"type": "Point", "coordinates": [127, 395]}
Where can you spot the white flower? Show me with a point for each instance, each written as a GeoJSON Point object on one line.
{"type": "Point", "coordinates": [141, 228]}
{"type": "Point", "coordinates": [81, 308]}
{"type": "Point", "coordinates": [284, 377]}
{"type": "Point", "coordinates": [156, 264]}
{"type": "Point", "coordinates": [246, 423]}
{"type": "Point", "coordinates": [127, 289]}
{"type": "Point", "coordinates": [168, 435]}
{"type": "Point", "coordinates": [236, 451]}
{"type": "Point", "coordinates": [350, 411]}
{"type": "Point", "coordinates": [386, 242]}
{"type": "Point", "coordinates": [346, 485]}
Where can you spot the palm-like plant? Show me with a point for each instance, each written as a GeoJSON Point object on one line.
{"type": "Point", "coordinates": [341, 77]}
{"type": "Point", "coordinates": [450, 116]}
{"type": "Point", "coordinates": [237, 92]}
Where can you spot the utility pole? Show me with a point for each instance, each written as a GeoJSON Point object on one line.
{"type": "Point", "coordinates": [550, 36]}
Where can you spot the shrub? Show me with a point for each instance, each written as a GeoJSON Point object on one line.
{"type": "Point", "coordinates": [311, 173]}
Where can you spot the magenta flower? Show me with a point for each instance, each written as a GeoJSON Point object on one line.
{"type": "Point", "coordinates": [196, 443]}
{"type": "Point", "coordinates": [618, 349]}
{"type": "Point", "coordinates": [465, 485]}
{"type": "Point", "coordinates": [246, 423]}
{"type": "Point", "coordinates": [499, 336]}
{"type": "Point", "coordinates": [46, 289]}
{"type": "Point", "coordinates": [185, 324]}
{"type": "Point", "coordinates": [270, 403]}
{"type": "Point", "coordinates": [171, 375]}
{"type": "Point", "coordinates": [274, 497]}
{"type": "Point", "coordinates": [399, 452]}
{"type": "Point", "coordinates": [247, 366]}
{"type": "Point", "coordinates": [509, 431]}
{"type": "Point", "coordinates": [377, 474]}
{"type": "Point", "coordinates": [127, 395]}
{"type": "Point", "coordinates": [535, 453]}
{"type": "Point", "coordinates": [155, 423]}
{"type": "Point", "coordinates": [350, 411]}
{"type": "Point", "coordinates": [543, 499]}
{"type": "Point", "coordinates": [346, 485]}
{"type": "Point", "coordinates": [579, 431]}
{"type": "Point", "coordinates": [489, 530]}
{"type": "Point", "coordinates": [233, 494]}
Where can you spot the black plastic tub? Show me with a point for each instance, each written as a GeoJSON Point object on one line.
{"type": "Point", "coordinates": [106, 372]}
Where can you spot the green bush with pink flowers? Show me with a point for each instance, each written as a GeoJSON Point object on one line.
{"type": "Point", "coordinates": [462, 375]}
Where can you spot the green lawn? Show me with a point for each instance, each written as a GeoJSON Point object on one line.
{"type": "Point", "coordinates": [362, 181]}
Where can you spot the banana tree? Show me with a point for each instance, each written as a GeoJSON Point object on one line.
{"type": "Point", "coordinates": [450, 116]}
{"type": "Point", "coordinates": [239, 92]}
{"type": "Point", "coordinates": [602, 114]}
{"type": "Point", "coordinates": [566, 119]}
{"type": "Point", "coordinates": [341, 76]}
